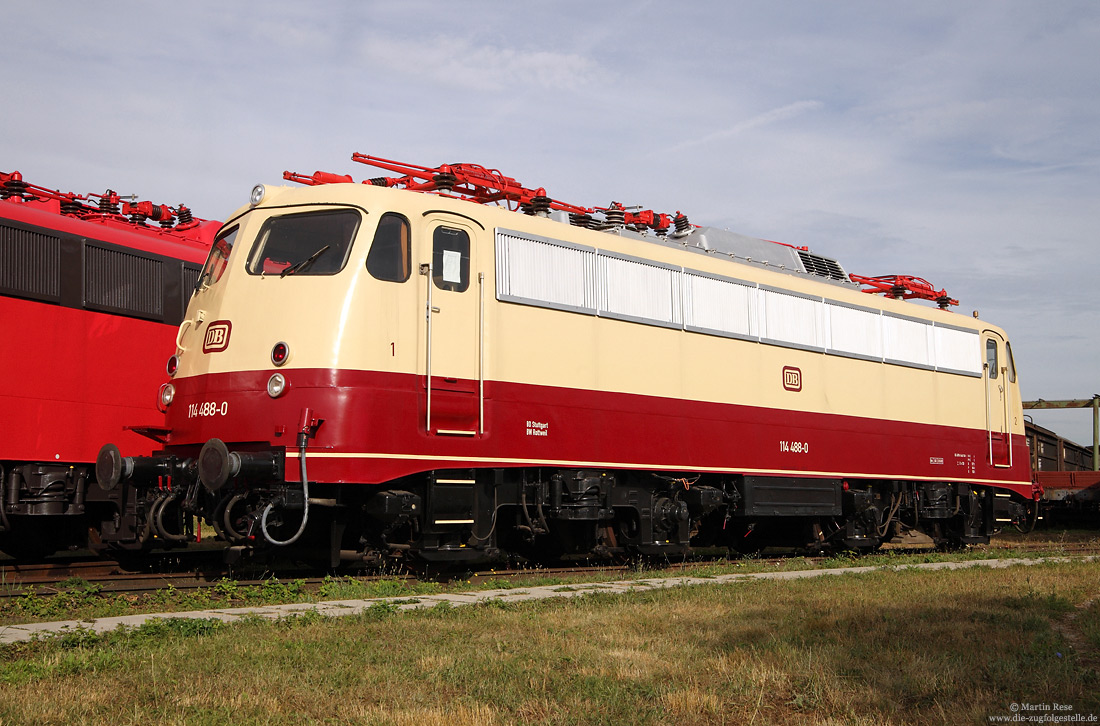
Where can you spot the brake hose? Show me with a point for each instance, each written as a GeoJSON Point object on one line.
{"type": "Point", "coordinates": [305, 503]}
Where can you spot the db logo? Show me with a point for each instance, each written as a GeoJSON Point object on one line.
{"type": "Point", "coordinates": [792, 378]}
{"type": "Point", "coordinates": [217, 336]}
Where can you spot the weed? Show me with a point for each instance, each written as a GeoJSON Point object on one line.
{"type": "Point", "coordinates": [155, 630]}
{"type": "Point", "coordinates": [379, 611]}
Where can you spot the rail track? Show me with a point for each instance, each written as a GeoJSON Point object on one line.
{"type": "Point", "coordinates": [189, 571]}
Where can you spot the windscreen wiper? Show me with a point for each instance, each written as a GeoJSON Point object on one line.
{"type": "Point", "coordinates": [299, 266]}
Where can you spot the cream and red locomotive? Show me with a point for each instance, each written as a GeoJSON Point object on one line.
{"type": "Point", "coordinates": [450, 366]}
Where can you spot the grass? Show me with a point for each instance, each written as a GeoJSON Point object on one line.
{"type": "Point", "coordinates": [894, 647]}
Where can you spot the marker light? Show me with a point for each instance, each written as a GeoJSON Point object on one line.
{"type": "Point", "coordinates": [280, 353]}
{"type": "Point", "coordinates": [257, 195]}
{"type": "Point", "coordinates": [276, 385]}
{"type": "Point", "coordinates": [173, 365]}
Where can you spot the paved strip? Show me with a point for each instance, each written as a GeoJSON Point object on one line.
{"type": "Point", "coordinates": [336, 608]}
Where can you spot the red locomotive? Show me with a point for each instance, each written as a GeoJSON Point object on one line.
{"type": "Point", "coordinates": [449, 365]}
{"type": "Point", "coordinates": [91, 294]}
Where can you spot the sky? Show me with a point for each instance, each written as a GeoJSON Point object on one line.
{"type": "Point", "coordinates": [957, 142]}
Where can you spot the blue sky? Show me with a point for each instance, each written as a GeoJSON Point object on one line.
{"type": "Point", "coordinates": [959, 142]}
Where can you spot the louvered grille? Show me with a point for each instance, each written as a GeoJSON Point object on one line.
{"type": "Point", "coordinates": [123, 282]}
{"type": "Point", "coordinates": [30, 263]}
{"type": "Point", "coordinates": [822, 266]}
{"type": "Point", "coordinates": [190, 280]}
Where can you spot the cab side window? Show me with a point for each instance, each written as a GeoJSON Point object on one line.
{"type": "Point", "coordinates": [991, 358]}
{"type": "Point", "coordinates": [389, 256]}
{"type": "Point", "coordinates": [219, 257]}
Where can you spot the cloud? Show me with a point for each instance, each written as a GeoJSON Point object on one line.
{"type": "Point", "coordinates": [775, 115]}
{"type": "Point", "coordinates": [456, 63]}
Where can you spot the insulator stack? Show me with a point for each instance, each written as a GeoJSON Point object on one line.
{"type": "Point", "coordinates": [378, 181]}
{"type": "Point", "coordinates": [540, 204]}
{"type": "Point", "coordinates": [71, 206]}
{"type": "Point", "coordinates": [683, 226]}
{"type": "Point", "coordinates": [14, 187]}
{"type": "Point", "coordinates": [615, 215]}
{"type": "Point", "coordinates": [137, 217]}
{"type": "Point", "coordinates": [167, 221]}
{"type": "Point", "coordinates": [580, 220]}
{"type": "Point", "coordinates": [184, 215]}
{"type": "Point", "coordinates": [445, 181]}
{"type": "Point", "coordinates": [108, 203]}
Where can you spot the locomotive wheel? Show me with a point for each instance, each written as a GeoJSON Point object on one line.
{"type": "Point", "coordinates": [140, 545]}
{"type": "Point", "coordinates": [747, 539]}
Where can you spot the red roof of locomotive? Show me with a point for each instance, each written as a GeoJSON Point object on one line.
{"type": "Point", "coordinates": [123, 222]}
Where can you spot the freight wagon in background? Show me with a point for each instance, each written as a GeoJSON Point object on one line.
{"type": "Point", "coordinates": [448, 366]}
{"type": "Point", "coordinates": [1065, 470]}
{"type": "Point", "coordinates": [92, 289]}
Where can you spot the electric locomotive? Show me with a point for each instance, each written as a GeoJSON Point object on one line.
{"type": "Point", "coordinates": [91, 294]}
{"type": "Point", "coordinates": [447, 365]}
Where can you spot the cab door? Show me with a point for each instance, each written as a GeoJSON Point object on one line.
{"type": "Point", "coordinates": [452, 365]}
{"type": "Point", "coordinates": [997, 405]}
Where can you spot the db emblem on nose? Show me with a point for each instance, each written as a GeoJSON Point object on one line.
{"type": "Point", "coordinates": [217, 336]}
{"type": "Point", "coordinates": [792, 378]}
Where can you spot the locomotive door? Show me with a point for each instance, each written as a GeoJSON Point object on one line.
{"type": "Point", "coordinates": [997, 391]}
{"type": "Point", "coordinates": [452, 404]}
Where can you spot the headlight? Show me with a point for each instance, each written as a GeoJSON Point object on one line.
{"type": "Point", "coordinates": [276, 385]}
{"type": "Point", "coordinates": [257, 195]}
{"type": "Point", "coordinates": [167, 394]}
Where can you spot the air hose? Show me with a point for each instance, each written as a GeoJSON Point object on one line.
{"type": "Point", "coordinates": [302, 438]}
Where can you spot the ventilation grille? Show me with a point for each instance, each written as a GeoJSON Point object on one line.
{"type": "Point", "coordinates": [190, 280]}
{"type": "Point", "coordinates": [822, 266]}
{"type": "Point", "coordinates": [30, 263]}
{"type": "Point", "coordinates": [123, 282]}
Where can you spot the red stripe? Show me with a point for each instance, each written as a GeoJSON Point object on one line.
{"type": "Point", "coordinates": [381, 415]}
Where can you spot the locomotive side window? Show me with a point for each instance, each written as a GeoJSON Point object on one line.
{"type": "Point", "coordinates": [1011, 363]}
{"type": "Point", "coordinates": [451, 259]}
{"type": "Point", "coordinates": [991, 357]}
{"type": "Point", "coordinates": [219, 257]}
{"type": "Point", "coordinates": [389, 255]}
{"type": "Point", "coordinates": [309, 243]}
